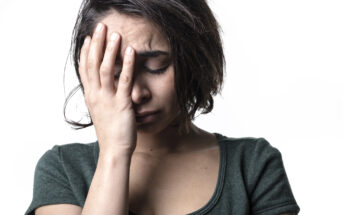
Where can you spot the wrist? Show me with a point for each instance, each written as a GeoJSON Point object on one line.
{"type": "Point", "coordinates": [113, 158]}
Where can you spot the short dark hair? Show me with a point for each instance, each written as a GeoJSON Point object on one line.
{"type": "Point", "coordinates": [193, 35]}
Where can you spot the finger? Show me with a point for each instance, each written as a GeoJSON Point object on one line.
{"type": "Point", "coordinates": [126, 76]}
{"type": "Point", "coordinates": [107, 65]}
{"type": "Point", "coordinates": [95, 56]}
{"type": "Point", "coordinates": [83, 62]}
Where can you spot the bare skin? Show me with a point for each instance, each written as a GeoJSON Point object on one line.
{"type": "Point", "coordinates": [114, 105]}
{"type": "Point", "coordinates": [144, 166]}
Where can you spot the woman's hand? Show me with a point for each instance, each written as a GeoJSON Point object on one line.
{"type": "Point", "coordinates": [110, 106]}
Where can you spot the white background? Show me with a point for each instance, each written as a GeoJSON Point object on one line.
{"type": "Point", "coordinates": [284, 82]}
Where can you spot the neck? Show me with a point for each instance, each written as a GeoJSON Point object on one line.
{"type": "Point", "coordinates": [166, 142]}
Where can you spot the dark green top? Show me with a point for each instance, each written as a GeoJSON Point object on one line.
{"type": "Point", "coordinates": [252, 178]}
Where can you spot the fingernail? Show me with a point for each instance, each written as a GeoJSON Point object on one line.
{"type": "Point", "coordinates": [114, 36]}
{"type": "Point", "coordinates": [98, 27]}
{"type": "Point", "coordinates": [128, 50]}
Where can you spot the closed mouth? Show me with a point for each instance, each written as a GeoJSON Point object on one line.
{"type": "Point", "coordinates": [144, 114]}
{"type": "Point", "coordinates": [147, 117]}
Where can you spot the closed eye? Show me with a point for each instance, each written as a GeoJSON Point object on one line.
{"type": "Point", "coordinates": [156, 71]}
{"type": "Point", "coordinates": [153, 71]}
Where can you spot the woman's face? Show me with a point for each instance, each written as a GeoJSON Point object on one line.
{"type": "Point", "coordinates": [153, 84]}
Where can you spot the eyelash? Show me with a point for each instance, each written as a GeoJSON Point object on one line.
{"type": "Point", "coordinates": [156, 72]}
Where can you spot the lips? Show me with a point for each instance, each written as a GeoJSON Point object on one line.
{"type": "Point", "coordinates": [145, 113]}
{"type": "Point", "coordinates": [146, 117]}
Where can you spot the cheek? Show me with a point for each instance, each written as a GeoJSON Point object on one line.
{"type": "Point", "coordinates": [170, 91]}
{"type": "Point", "coordinates": [164, 88]}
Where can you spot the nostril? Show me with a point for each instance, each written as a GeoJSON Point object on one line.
{"type": "Point", "coordinates": [140, 94]}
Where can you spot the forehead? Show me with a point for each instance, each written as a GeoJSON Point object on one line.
{"type": "Point", "coordinates": [137, 32]}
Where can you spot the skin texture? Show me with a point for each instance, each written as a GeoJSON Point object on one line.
{"type": "Point", "coordinates": [114, 106]}
{"type": "Point", "coordinates": [114, 103]}
{"type": "Point", "coordinates": [105, 100]}
{"type": "Point", "coordinates": [149, 91]}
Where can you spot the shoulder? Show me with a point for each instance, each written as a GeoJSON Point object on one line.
{"type": "Point", "coordinates": [251, 158]}
{"type": "Point", "coordinates": [250, 154]}
{"type": "Point", "coordinates": [256, 168]}
{"type": "Point", "coordinates": [63, 174]}
{"type": "Point", "coordinates": [71, 152]}
{"type": "Point", "coordinates": [72, 148]}
{"type": "Point", "coordinates": [62, 161]}
{"type": "Point", "coordinates": [247, 148]}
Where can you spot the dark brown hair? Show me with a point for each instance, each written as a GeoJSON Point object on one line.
{"type": "Point", "coordinates": [194, 38]}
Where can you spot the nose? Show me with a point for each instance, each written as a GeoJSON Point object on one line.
{"type": "Point", "coordinates": [140, 92]}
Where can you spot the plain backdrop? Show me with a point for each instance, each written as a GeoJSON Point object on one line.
{"type": "Point", "coordinates": [284, 82]}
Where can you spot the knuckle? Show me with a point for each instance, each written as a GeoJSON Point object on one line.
{"type": "Point", "coordinates": [125, 79]}
{"type": "Point", "coordinates": [91, 78]}
{"type": "Point", "coordinates": [90, 99]}
{"type": "Point", "coordinates": [105, 71]}
{"type": "Point", "coordinates": [92, 60]}
{"type": "Point", "coordinates": [128, 61]}
{"type": "Point", "coordinates": [110, 47]}
{"type": "Point", "coordinates": [90, 63]}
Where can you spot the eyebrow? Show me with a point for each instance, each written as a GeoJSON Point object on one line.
{"type": "Point", "coordinates": [147, 54]}
{"type": "Point", "coordinates": [154, 53]}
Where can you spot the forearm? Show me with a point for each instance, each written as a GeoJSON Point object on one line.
{"type": "Point", "coordinates": [109, 191]}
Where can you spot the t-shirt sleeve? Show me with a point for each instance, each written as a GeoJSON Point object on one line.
{"type": "Point", "coordinates": [51, 185]}
{"type": "Point", "coordinates": [270, 191]}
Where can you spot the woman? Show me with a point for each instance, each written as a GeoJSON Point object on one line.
{"type": "Point", "coordinates": [167, 61]}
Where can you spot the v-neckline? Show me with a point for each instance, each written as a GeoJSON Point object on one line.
{"type": "Point", "coordinates": [220, 180]}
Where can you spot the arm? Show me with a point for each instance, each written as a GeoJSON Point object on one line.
{"type": "Point", "coordinates": [108, 192]}
{"type": "Point", "coordinates": [58, 209]}
{"type": "Point", "coordinates": [113, 117]}
{"type": "Point", "coordinates": [268, 183]}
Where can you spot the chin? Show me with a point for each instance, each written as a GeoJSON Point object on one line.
{"type": "Point", "coordinates": [149, 128]}
{"type": "Point", "coordinates": [146, 128]}
{"type": "Point", "coordinates": [155, 127]}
